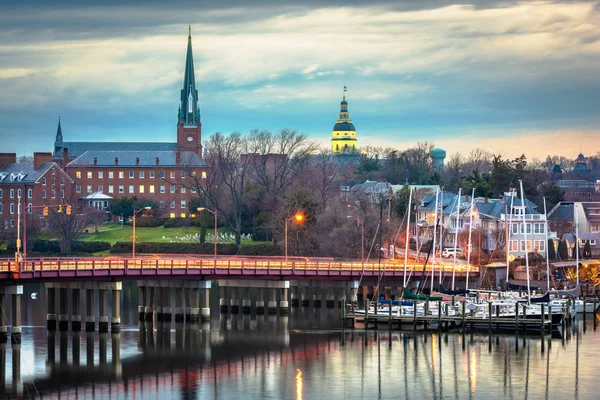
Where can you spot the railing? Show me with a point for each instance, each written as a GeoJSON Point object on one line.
{"type": "Point", "coordinates": [521, 217]}
{"type": "Point", "coordinates": [209, 266]}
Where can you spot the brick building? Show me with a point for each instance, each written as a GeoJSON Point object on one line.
{"type": "Point", "coordinates": [38, 183]}
{"type": "Point", "coordinates": [166, 172]}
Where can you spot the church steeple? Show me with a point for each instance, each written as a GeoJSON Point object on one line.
{"type": "Point", "coordinates": [59, 135]}
{"type": "Point", "coordinates": [188, 106]}
{"type": "Point", "coordinates": [343, 135]}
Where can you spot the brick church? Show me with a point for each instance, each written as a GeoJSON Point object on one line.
{"type": "Point", "coordinates": [166, 172]}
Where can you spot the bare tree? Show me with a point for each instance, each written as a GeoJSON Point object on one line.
{"type": "Point", "coordinates": [67, 228]}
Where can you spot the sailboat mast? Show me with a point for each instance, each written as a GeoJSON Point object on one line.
{"type": "Point", "coordinates": [435, 221]}
{"type": "Point", "coordinates": [576, 241]}
{"type": "Point", "coordinates": [546, 246]}
{"type": "Point", "coordinates": [406, 248]}
{"type": "Point", "coordinates": [441, 244]}
{"type": "Point", "coordinates": [456, 236]}
{"type": "Point", "coordinates": [509, 227]}
{"type": "Point", "coordinates": [525, 239]}
{"type": "Point", "coordinates": [470, 230]}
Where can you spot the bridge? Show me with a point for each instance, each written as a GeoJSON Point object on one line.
{"type": "Point", "coordinates": [179, 286]}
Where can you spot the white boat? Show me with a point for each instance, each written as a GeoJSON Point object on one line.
{"type": "Point", "coordinates": [589, 307]}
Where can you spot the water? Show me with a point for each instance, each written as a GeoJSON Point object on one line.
{"type": "Point", "coordinates": [304, 356]}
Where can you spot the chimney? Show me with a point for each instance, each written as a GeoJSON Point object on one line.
{"type": "Point", "coordinates": [95, 161]}
{"type": "Point", "coordinates": [137, 161]}
{"type": "Point", "coordinates": [116, 160]}
{"type": "Point", "coordinates": [40, 158]}
{"type": "Point", "coordinates": [7, 158]}
{"type": "Point", "coordinates": [157, 161]}
{"type": "Point", "coordinates": [65, 157]}
{"type": "Point", "coordinates": [177, 158]}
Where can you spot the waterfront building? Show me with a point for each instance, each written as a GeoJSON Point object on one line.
{"type": "Point", "coordinates": [167, 172]}
{"type": "Point", "coordinates": [343, 135]}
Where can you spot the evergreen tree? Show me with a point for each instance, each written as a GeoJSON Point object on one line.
{"type": "Point", "coordinates": [587, 250]}
{"type": "Point", "coordinates": [563, 250]}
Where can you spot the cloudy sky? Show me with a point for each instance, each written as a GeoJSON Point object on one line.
{"type": "Point", "coordinates": [508, 76]}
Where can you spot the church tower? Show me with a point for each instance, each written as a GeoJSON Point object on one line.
{"type": "Point", "coordinates": [189, 128]}
{"type": "Point", "coordinates": [343, 136]}
{"type": "Point", "coordinates": [58, 141]}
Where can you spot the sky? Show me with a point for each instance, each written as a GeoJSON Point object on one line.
{"type": "Point", "coordinates": [510, 77]}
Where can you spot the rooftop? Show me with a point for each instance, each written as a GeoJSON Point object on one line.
{"type": "Point", "coordinates": [130, 159]}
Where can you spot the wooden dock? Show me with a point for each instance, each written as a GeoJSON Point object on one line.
{"type": "Point", "coordinates": [464, 321]}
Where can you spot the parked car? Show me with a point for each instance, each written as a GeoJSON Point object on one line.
{"type": "Point", "coordinates": [450, 251]}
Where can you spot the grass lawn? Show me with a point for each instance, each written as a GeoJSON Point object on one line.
{"type": "Point", "coordinates": [113, 233]}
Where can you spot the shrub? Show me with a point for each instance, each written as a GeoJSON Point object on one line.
{"type": "Point", "coordinates": [174, 248]}
{"type": "Point", "coordinates": [261, 250]}
{"type": "Point", "coordinates": [149, 222]}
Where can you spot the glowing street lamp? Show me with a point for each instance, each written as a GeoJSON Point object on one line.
{"type": "Point", "coordinates": [298, 218]}
{"type": "Point", "coordinates": [215, 235]}
{"type": "Point", "coordinates": [135, 213]}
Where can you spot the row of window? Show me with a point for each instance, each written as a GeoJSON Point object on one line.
{"type": "Point", "coordinates": [11, 208]}
{"type": "Point", "coordinates": [141, 174]}
{"type": "Point", "coordinates": [538, 227]}
{"type": "Point", "coordinates": [19, 193]}
{"type": "Point", "coordinates": [62, 181]}
{"type": "Point", "coordinates": [131, 189]}
{"type": "Point", "coordinates": [53, 194]}
{"type": "Point", "coordinates": [519, 245]}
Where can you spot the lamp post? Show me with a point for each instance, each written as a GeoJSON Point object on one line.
{"type": "Point", "coordinates": [135, 213]}
{"type": "Point", "coordinates": [362, 236]}
{"type": "Point", "coordinates": [298, 217]}
{"type": "Point", "coordinates": [215, 234]}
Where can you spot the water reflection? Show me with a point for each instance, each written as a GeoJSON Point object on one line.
{"type": "Point", "coordinates": [295, 357]}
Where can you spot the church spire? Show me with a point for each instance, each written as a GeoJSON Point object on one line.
{"type": "Point", "coordinates": [59, 135]}
{"type": "Point", "coordinates": [188, 106]}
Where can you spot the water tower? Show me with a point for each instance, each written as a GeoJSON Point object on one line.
{"type": "Point", "coordinates": [437, 157]}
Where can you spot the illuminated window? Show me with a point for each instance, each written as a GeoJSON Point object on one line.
{"type": "Point", "coordinates": [203, 174]}
{"type": "Point", "coordinates": [172, 215]}
{"type": "Point", "coordinates": [141, 188]}
{"type": "Point", "coordinates": [182, 215]}
{"type": "Point", "coordinates": [77, 175]}
{"type": "Point", "coordinates": [121, 174]}
{"type": "Point", "coordinates": [151, 188]}
{"type": "Point", "coordinates": [89, 174]}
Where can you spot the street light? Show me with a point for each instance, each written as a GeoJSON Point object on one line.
{"type": "Point", "coordinates": [362, 236]}
{"type": "Point", "coordinates": [299, 218]}
{"type": "Point", "coordinates": [215, 234]}
{"type": "Point", "coordinates": [135, 213]}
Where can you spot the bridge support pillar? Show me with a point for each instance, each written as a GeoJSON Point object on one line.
{"type": "Point", "coordinates": [141, 303]}
{"type": "Point", "coordinates": [17, 382]}
{"type": "Point", "coordinates": [316, 298]}
{"type": "Point", "coordinates": [272, 301]}
{"type": "Point", "coordinates": [3, 328]}
{"type": "Point", "coordinates": [352, 296]}
{"type": "Point", "coordinates": [150, 297]}
{"type": "Point", "coordinates": [103, 315]}
{"type": "Point", "coordinates": [330, 299]}
{"type": "Point", "coordinates": [304, 296]}
{"type": "Point", "coordinates": [260, 302]}
{"type": "Point", "coordinates": [15, 333]}
{"type": "Point", "coordinates": [167, 301]}
{"type": "Point", "coordinates": [179, 309]}
{"type": "Point", "coordinates": [89, 349]}
{"type": "Point", "coordinates": [115, 320]}
{"type": "Point", "coordinates": [116, 354]}
{"type": "Point", "coordinates": [63, 317]}
{"type": "Point", "coordinates": [234, 302]}
{"type": "Point", "coordinates": [76, 314]}
{"type": "Point", "coordinates": [341, 297]}
{"type": "Point", "coordinates": [283, 304]}
{"type": "Point", "coordinates": [158, 304]}
{"type": "Point", "coordinates": [51, 316]}
{"type": "Point", "coordinates": [223, 301]}
{"type": "Point", "coordinates": [294, 297]}
{"type": "Point", "coordinates": [205, 311]}
{"type": "Point", "coordinates": [246, 302]}
{"type": "Point", "coordinates": [90, 318]}
{"type": "Point", "coordinates": [193, 314]}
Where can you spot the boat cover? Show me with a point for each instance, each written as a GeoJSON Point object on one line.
{"type": "Point", "coordinates": [408, 295]}
{"type": "Point", "coordinates": [461, 292]}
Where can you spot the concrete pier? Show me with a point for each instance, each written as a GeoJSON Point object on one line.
{"type": "Point", "coordinates": [15, 332]}
{"type": "Point", "coordinates": [179, 305]}
{"type": "Point", "coordinates": [76, 313]}
{"type": "Point", "coordinates": [166, 301]}
{"type": "Point", "coordinates": [3, 327]}
{"type": "Point", "coordinates": [205, 311]}
{"type": "Point", "coordinates": [51, 316]}
{"type": "Point", "coordinates": [294, 297]}
{"type": "Point", "coordinates": [90, 318]}
{"type": "Point", "coordinates": [304, 296]}
{"type": "Point", "coordinates": [103, 315]}
{"type": "Point", "coordinates": [260, 302]}
{"type": "Point", "coordinates": [330, 299]}
{"type": "Point", "coordinates": [234, 303]}
{"type": "Point", "coordinates": [63, 316]}
{"type": "Point", "coordinates": [246, 302]}
{"type": "Point", "coordinates": [141, 303]}
{"type": "Point", "coordinates": [316, 297]}
{"type": "Point", "coordinates": [223, 300]}
{"type": "Point", "coordinates": [150, 296]}
{"type": "Point", "coordinates": [272, 305]}
{"type": "Point", "coordinates": [283, 304]}
{"type": "Point", "coordinates": [115, 320]}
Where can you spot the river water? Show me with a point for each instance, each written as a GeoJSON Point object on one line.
{"type": "Point", "coordinates": [303, 356]}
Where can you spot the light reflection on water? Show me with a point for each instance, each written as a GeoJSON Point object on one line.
{"type": "Point", "coordinates": [304, 356]}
